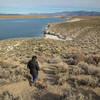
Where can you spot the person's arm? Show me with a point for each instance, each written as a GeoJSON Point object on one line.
{"type": "Point", "coordinates": [37, 66]}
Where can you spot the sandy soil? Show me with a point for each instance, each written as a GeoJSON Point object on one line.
{"type": "Point", "coordinates": [75, 20]}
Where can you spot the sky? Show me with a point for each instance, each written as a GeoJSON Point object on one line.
{"type": "Point", "coordinates": [47, 6]}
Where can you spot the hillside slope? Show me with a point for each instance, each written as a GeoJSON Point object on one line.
{"type": "Point", "coordinates": [69, 70]}
{"type": "Point", "coordinates": [86, 29]}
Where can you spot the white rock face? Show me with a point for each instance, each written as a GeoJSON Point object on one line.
{"type": "Point", "coordinates": [52, 37]}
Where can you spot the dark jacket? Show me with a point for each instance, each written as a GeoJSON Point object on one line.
{"type": "Point", "coordinates": [34, 67]}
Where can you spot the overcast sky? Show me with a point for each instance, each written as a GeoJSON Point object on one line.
{"type": "Point", "coordinates": [28, 6]}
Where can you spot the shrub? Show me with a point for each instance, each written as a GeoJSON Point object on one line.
{"type": "Point", "coordinates": [92, 60]}
{"type": "Point", "coordinates": [72, 61]}
{"type": "Point", "coordinates": [6, 95]}
{"type": "Point", "coordinates": [79, 94]}
{"type": "Point", "coordinates": [5, 74]}
{"type": "Point", "coordinates": [89, 69]}
{"type": "Point", "coordinates": [88, 81]}
{"type": "Point", "coordinates": [4, 64]}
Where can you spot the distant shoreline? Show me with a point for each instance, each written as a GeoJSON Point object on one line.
{"type": "Point", "coordinates": [6, 17]}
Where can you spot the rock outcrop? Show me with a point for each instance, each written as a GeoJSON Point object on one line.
{"type": "Point", "coordinates": [50, 34]}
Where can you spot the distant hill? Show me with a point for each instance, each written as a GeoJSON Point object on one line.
{"type": "Point", "coordinates": [66, 13]}
{"type": "Point", "coordinates": [73, 13]}
{"type": "Point", "coordinates": [11, 14]}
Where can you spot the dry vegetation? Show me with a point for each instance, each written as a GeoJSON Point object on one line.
{"type": "Point", "coordinates": [69, 70]}
{"type": "Point", "coordinates": [85, 30]}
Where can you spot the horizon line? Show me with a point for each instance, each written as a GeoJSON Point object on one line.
{"type": "Point", "coordinates": [52, 12]}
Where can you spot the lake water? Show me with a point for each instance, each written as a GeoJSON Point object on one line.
{"type": "Point", "coordinates": [24, 27]}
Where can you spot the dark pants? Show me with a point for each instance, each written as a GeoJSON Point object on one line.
{"type": "Point", "coordinates": [35, 77]}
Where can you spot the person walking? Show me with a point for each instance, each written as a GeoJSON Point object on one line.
{"type": "Point", "coordinates": [34, 68]}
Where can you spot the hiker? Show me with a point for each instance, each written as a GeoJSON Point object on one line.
{"type": "Point", "coordinates": [34, 68]}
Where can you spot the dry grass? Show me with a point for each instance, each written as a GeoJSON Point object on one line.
{"type": "Point", "coordinates": [81, 94]}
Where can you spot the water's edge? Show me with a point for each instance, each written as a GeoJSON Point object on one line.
{"type": "Point", "coordinates": [23, 28]}
{"type": "Point", "coordinates": [52, 35]}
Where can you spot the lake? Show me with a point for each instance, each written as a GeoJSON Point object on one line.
{"type": "Point", "coordinates": [25, 27]}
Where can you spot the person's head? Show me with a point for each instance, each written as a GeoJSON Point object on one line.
{"type": "Point", "coordinates": [34, 58]}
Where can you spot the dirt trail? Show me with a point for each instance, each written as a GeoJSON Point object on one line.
{"type": "Point", "coordinates": [46, 86]}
